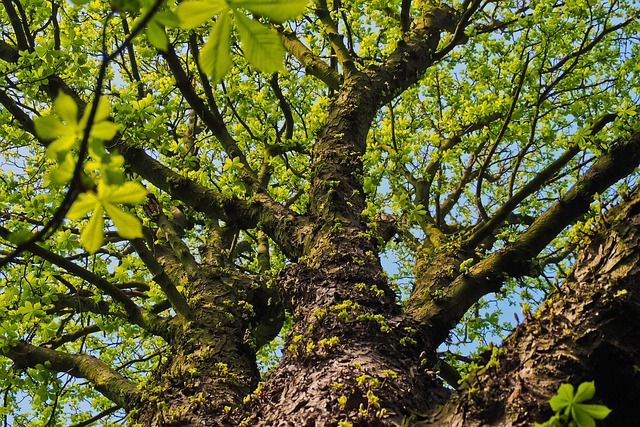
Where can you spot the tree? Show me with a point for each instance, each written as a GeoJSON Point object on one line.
{"type": "Point", "coordinates": [474, 143]}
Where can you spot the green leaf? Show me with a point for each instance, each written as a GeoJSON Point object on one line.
{"type": "Point", "coordinates": [157, 36]}
{"type": "Point", "coordinates": [49, 127]}
{"type": "Point", "coordinates": [66, 108]}
{"type": "Point", "coordinates": [563, 398]}
{"type": "Point", "coordinates": [19, 236]}
{"type": "Point", "coordinates": [262, 46]}
{"type": "Point", "coordinates": [192, 14]}
{"type": "Point", "coordinates": [128, 225]}
{"type": "Point", "coordinates": [103, 110]}
{"type": "Point", "coordinates": [277, 10]}
{"type": "Point", "coordinates": [167, 18]}
{"type": "Point", "coordinates": [599, 412]}
{"type": "Point", "coordinates": [64, 172]}
{"type": "Point", "coordinates": [582, 419]}
{"type": "Point", "coordinates": [586, 390]}
{"type": "Point", "coordinates": [129, 192]}
{"type": "Point", "coordinates": [215, 56]}
{"type": "Point", "coordinates": [104, 130]}
{"type": "Point", "coordinates": [64, 143]}
{"type": "Point", "coordinates": [85, 203]}
{"type": "Point", "coordinates": [92, 236]}
{"type": "Point", "coordinates": [121, 6]}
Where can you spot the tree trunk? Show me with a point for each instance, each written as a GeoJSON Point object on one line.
{"type": "Point", "coordinates": [351, 355]}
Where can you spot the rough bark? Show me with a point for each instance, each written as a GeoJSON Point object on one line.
{"type": "Point", "coordinates": [589, 329]}
{"type": "Point", "coordinates": [351, 356]}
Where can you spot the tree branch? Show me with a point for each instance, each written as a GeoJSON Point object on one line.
{"type": "Point", "coordinates": [540, 179]}
{"type": "Point", "coordinates": [110, 383]}
{"type": "Point", "coordinates": [440, 313]}
{"type": "Point", "coordinates": [335, 38]}
{"type": "Point", "coordinates": [312, 63]}
{"type": "Point", "coordinates": [135, 314]}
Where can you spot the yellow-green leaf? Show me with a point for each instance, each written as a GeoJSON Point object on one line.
{"type": "Point", "coordinates": [64, 172]}
{"type": "Point", "coordinates": [92, 236]}
{"type": "Point", "coordinates": [49, 127]}
{"type": "Point", "coordinates": [66, 108]}
{"type": "Point", "coordinates": [277, 10]}
{"type": "Point", "coordinates": [85, 203]}
{"type": "Point", "coordinates": [262, 46]}
{"type": "Point", "coordinates": [65, 142]}
{"type": "Point", "coordinates": [598, 412]}
{"type": "Point", "coordinates": [586, 390]}
{"type": "Point", "coordinates": [167, 18]}
{"type": "Point", "coordinates": [192, 14]}
{"type": "Point", "coordinates": [129, 192]}
{"type": "Point", "coordinates": [157, 36]}
{"type": "Point", "coordinates": [127, 224]}
{"type": "Point", "coordinates": [102, 112]}
{"type": "Point", "coordinates": [563, 398]}
{"type": "Point", "coordinates": [104, 130]}
{"type": "Point", "coordinates": [215, 56]}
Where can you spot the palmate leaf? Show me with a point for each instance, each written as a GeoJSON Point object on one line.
{"type": "Point", "coordinates": [563, 399]}
{"type": "Point", "coordinates": [276, 10]}
{"type": "Point", "coordinates": [586, 390]}
{"type": "Point", "coordinates": [105, 199]}
{"type": "Point", "coordinates": [262, 46]}
{"type": "Point", "coordinates": [128, 226]}
{"type": "Point", "coordinates": [215, 56]}
{"type": "Point", "coordinates": [598, 412]}
{"type": "Point", "coordinates": [66, 108]}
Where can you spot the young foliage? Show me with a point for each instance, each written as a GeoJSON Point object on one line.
{"type": "Point", "coordinates": [570, 409]}
{"type": "Point", "coordinates": [262, 45]}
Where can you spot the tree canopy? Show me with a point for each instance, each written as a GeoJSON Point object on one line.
{"type": "Point", "coordinates": [245, 212]}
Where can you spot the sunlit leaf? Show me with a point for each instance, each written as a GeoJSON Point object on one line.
{"type": "Point", "coordinates": [215, 56]}
{"type": "Point", "coordinates": [85, 203]}
{"type": "Point", "coordinates": [66, 108]}
{"type": "Point", "coordinates": [262, 46]}
{"type": "Point", "coordinates": [128, 225]}
{"type": "Point", "coordinates": [65, 142]}
{"type": "Point", "coordinates": [129, 192]}
{"type": "Point", "coordinates": [167, 18]}
{"type": "Point", "coordinates": [104, 130]}
{"type": "Point", "coordinates": [92, 235]}
{"type": "Point", "coordinates": [598, 412]}
{"type": "Point", "coordinates": [277, 10]}
{"type": "Point", "coordinates": [563, 398]}
{"type": "Point", "coordinates": [64, 172]}
{"type": "Point", "coordinates": [157, 36]}
{"type": "Point", "coordinates": [586, 390]}
{"type": "Point", "coordinates": [192, 14]}
{"type": "Point", "coordinates": [49, 127]}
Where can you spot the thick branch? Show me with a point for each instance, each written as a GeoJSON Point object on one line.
{"type": "Point", "coordinates": [335, 38]}
{"type": "Point", "coordinates": [588, 330]}
{"type": "Point", "coordinates": [537, 182]}
{"type": "Point", "coordinates": [18, 28]}
{"type": "Point", "coordinates": [107, 381]}
{"type": "Point", "coordinates": [168, 287]}
{"type": "Point", "coordinates": [440, 314]}
{"type": "Point", "coordinates": [312, 63]}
